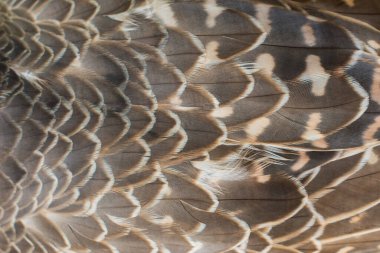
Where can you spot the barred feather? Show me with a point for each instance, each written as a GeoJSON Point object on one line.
{"type": "Point", "coordinates": [189, 126]}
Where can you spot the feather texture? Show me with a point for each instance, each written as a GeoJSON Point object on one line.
{"type": "Point", "coordinates": [189, 126]}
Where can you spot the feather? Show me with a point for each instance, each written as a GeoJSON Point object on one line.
{"type": "Point", "coordinates": [189, 126]}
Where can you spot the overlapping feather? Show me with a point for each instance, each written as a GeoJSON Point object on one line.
{"type": "Point", "coordinates": [189, 126]}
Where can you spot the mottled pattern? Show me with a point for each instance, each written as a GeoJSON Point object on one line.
{"type": "Point", "coordinates": [133, 126]}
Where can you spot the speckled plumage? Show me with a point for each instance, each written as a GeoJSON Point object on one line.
{"type": "Point", "coordinates": [189, 126]}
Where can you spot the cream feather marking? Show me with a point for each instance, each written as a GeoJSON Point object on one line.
{"type": "Point", "coordinates": [266, 62]}
{"type": "Point", "coordinates": [375, 89]}
{"type": "Point", "coordinates": [308, 34]}
{"type": "Point", "coordinates": [257, 127]}
{"type": "Point", "coordinates": [262, 15]}
{"type": "Point", "coordinates": [372, 130]}
{"type": "Point", "coordinates": [302, 161]}
{"type": "Point", "coordinates": [311, 133]}
{"type": "Point", "coordinates": [316, 74]}
{"type": "Point", "coordinates": [213, 11]}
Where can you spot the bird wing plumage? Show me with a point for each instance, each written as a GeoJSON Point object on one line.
{"type": "Point", "coordinates": [189, 126]}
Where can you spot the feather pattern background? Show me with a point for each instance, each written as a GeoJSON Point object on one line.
{"type": "Point", "coordinates": [189, 126]}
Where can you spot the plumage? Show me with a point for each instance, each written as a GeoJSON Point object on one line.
{"type": "Point", "coordinates": [189, 126]}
